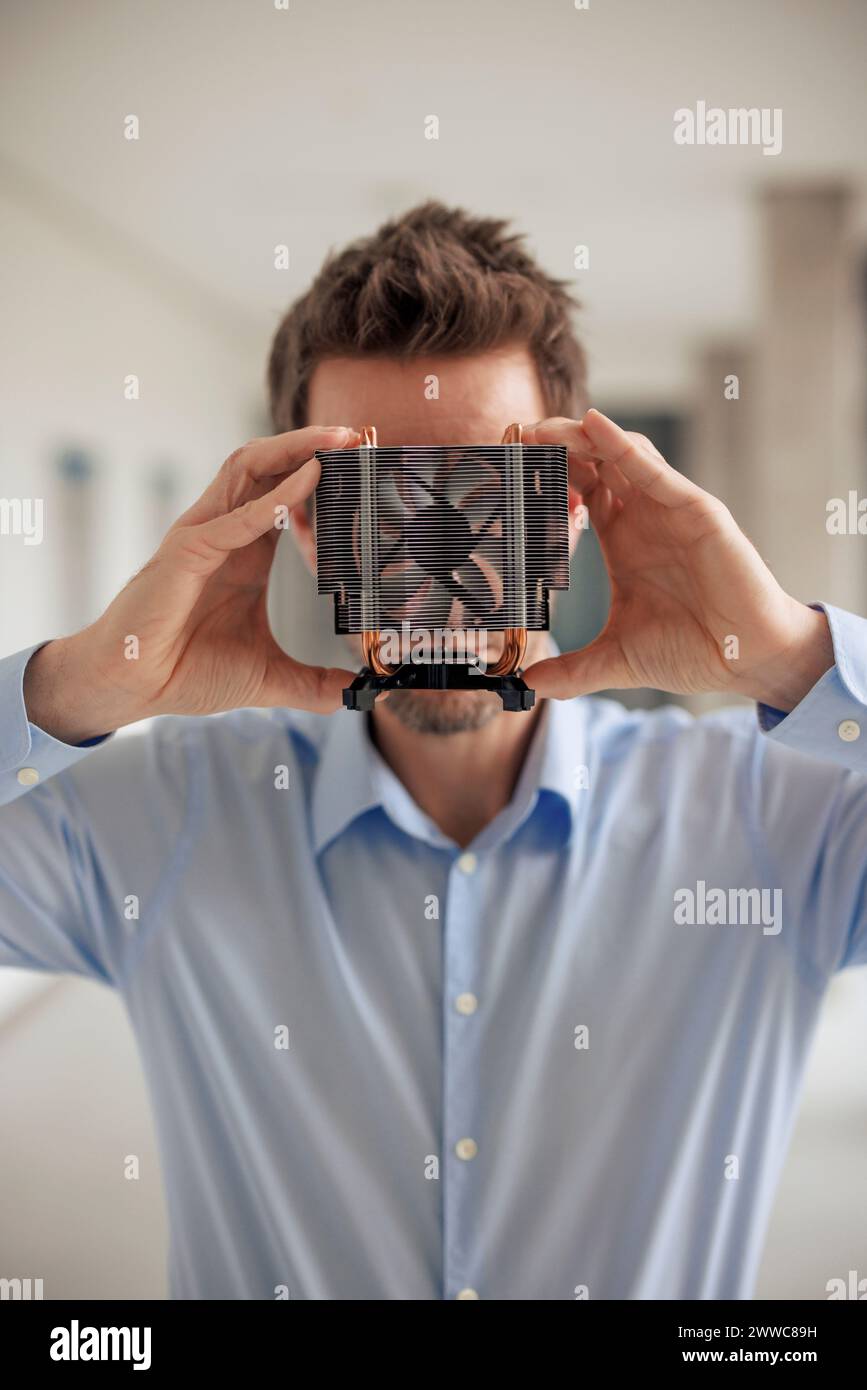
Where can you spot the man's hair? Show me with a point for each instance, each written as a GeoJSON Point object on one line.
{"type": "Point", "coordinates": [435, 280]}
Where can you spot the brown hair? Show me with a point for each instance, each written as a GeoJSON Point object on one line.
{"type": "Point", "coordinates": [435, 280]}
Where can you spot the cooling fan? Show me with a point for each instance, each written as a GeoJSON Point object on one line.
{"type": "Point", "coordinates": [428, 549]}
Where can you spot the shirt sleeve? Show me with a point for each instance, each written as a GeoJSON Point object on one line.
{"type": "Point", "coordinates": [831, 720]}
{"type": "Point", "coordinates": [85, 833]}
{"type": "Point", "coordinates": [814, 805]}
{"type": "Point", "coordinates": [28, 755]}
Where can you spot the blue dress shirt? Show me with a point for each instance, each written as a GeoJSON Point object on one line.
{"type": "Point", "coordinates": [562, 1063]}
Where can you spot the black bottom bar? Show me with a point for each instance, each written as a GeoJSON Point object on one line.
{"type": "Point", "coordinates": [211, 1341]}
{"type": "Point", "coordinates": [362, 693]}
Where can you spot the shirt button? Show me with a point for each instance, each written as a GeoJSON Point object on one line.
{"type": "Point", "coordinates": [467, 863]}
{"type": "Point", "coordinates": [467, 1293]}
{"type": "Point", "coordinates": [27, 776]}
{"type": "Point", "coordinates": [466, 1149]}
{"type": "Point", "coordinates": [466, 1003]}
{"type": "Point", "coordinates": [849, 730]}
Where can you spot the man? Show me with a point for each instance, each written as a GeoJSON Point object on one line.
{"type": "Point", "coordinates": [463, 1003]}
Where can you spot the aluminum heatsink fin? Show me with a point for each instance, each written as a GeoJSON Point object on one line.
{"type": "Point", "coordinates": [429, 531]}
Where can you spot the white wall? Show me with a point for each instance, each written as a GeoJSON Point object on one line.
{"type": "Point", "coordinates": [82, 309]}
{"type": "Point", "coordinates": [74, 1109]}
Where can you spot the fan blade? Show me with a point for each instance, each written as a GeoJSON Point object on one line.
{"type": "Point", "coordinates": [480, 483]}
{"type": "Point", "coordinates": [455, 588]}
{"type": "Point", "coordinates": [400, 498]}
{"type": "Point", "coordinates": [394, 554]}
{"type": "Point", "coordinates": [492, 524]}
{"type": "Point", "coordinates": [490, 576]}
{"type": "Point", "coordinates": [399, 587]}
{"type": "Point", "coordinates": [429, 606]}
{"type": "Point", "coordinates": [430, 488]}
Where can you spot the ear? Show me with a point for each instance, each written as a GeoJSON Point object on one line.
{"type": "Point", "coordinates": [302, 529]}
{"type": "Point", "coordinates": [578, 518]}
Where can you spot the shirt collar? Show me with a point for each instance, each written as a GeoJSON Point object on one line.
{"type": "Point", "coordinates": [352, 779]}
{"type": "Point", "coordinates": [560, 745]}
{"type": "Point", "coordinates": [344, 787]}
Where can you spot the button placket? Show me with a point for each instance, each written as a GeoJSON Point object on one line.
{"type": "Point", "coordinates": [461, 946]}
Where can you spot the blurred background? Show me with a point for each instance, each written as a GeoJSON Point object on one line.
{"type": "Point", "coordinates": [725, 302]}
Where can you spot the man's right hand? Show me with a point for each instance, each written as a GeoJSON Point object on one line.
{"type": "Point", "coordinates": [190, 633]}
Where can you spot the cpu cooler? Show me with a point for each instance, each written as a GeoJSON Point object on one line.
{"type": "Point", "coordinates": [426, 549]}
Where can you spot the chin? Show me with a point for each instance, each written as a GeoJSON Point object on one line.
{"type": "Point", "coordinates": [443, 711]}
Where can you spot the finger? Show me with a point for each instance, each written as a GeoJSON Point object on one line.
{"type": "Point", "coordinates": [261, 459]}
{"type": "Point", "coordinates": [583, 474]}
{"type": "Point", "coordinates": [204, 548]}
{"type": "Point", "coordinates": [585, 463]}
{"type": "Point", "coordinates": [638, 462]}
{"type": "Point", "coordinates": [599, 666]}
{"type": "Point", "coordinates": [283, 453]}
{"type": "Point", "coordinates": [295, 685]}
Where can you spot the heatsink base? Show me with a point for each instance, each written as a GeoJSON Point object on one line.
{"type": "Point", "coordinates": [361, 694]}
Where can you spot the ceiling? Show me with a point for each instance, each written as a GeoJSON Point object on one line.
{"type": "Point", "coordinates": [305, 126]}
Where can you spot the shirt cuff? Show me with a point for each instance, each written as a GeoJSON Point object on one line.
{"type": "Point", "coordinates": [28, 755]}
{"type": "Point", "coordinates": [831, 720]}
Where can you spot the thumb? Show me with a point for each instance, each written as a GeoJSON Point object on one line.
{"type": "Point", "coordinates": [294, 685]}
{"type": "Point", "coordinates": [598, 666]}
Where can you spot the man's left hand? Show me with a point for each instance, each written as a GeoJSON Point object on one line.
{"type": "Point", "coordinates": [693, 605]}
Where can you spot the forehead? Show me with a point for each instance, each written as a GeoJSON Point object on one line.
{"type": "Point", "coordinates": [429, 400]}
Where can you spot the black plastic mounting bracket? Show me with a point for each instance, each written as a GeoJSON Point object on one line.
{"type": "Point", "coordinates": [362, 693]}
